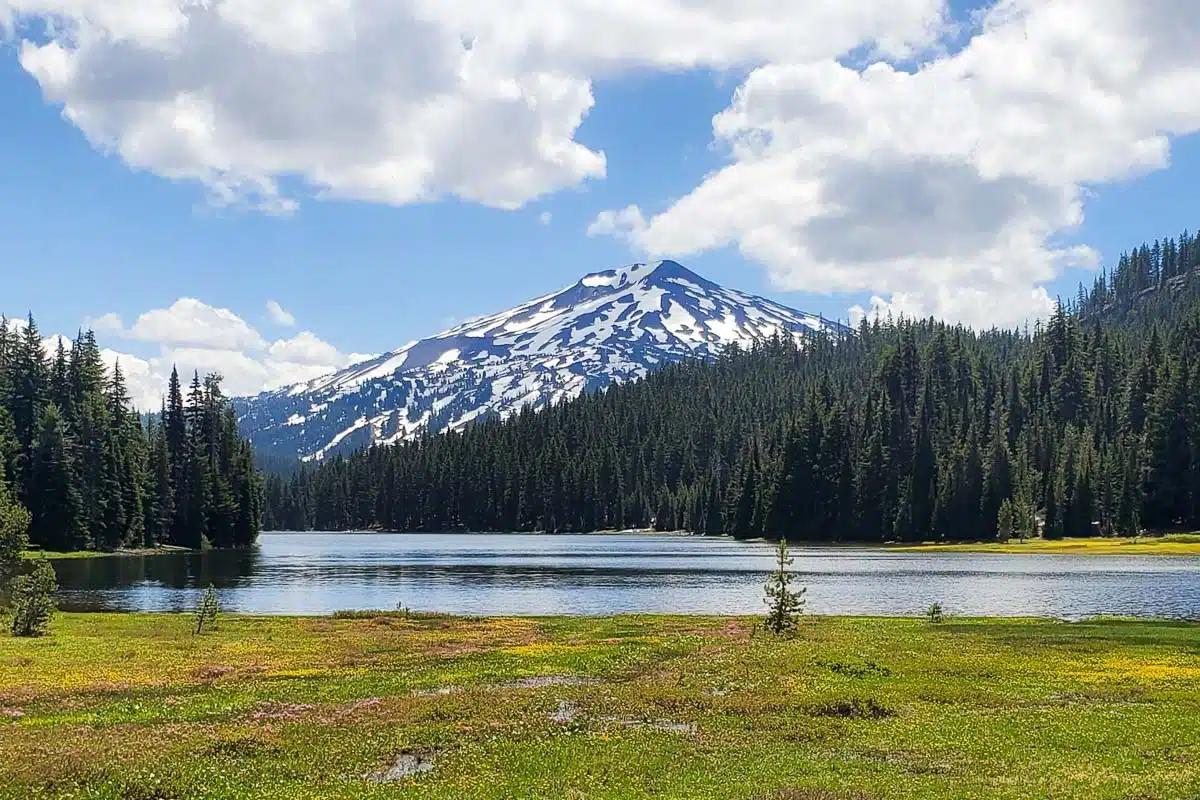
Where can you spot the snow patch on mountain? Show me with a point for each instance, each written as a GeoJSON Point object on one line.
{"type": "Point", "coordinates": [615, 325]}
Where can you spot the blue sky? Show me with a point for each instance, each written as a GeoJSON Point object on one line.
{"type": "Point", "coordinates": [950, 213]}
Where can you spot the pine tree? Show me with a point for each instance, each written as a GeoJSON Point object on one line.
{"type": "Point", "coordinates": [59, 520]}
{"type": "Point", "coordinates": [786, 603]}
{"type": "Point", "coordinates": [14, 534]}
{"type": "Point", "coordinates": [1006, 522]}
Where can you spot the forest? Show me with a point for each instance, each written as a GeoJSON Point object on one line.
{"type": "Point", "coordinates": [908, 430]}
{"type": "Point", "coordinates": [94, 474]}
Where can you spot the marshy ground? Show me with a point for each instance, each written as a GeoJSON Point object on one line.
{"type": "Point", "coordinates": [383, 706]}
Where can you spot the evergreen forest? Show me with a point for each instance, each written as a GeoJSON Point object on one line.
{"type": "Point", "coordinates": [908, 430]}
{"type": "Point", "coordinates": [95, 475]}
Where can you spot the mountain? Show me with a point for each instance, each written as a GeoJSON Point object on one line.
{"type": "Point", "coordinates": [610, 326]}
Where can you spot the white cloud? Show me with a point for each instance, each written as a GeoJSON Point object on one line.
{"type": "Point", "coordinates": [49, 343]}
{"type": "Point", "coordinates": [192, 335]}
{"type": "Point", "coordinates": [279, 315]}
{"type": "Point", "coordinates": [546, 218]}
{"type": "Point", "coordinates": [398, 102]}
{"type": "Point", "coordinates": [192, 323]}
{"type": "Point", "coordinates": [107, 323]}
{"type": "Point", "coordinates": [945, 189]}
{"type": "Point", "coordinates": [627, 224]}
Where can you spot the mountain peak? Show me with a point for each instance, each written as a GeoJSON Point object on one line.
{"type": "Point", "coordinates": [614, 325]}
{"type": "Point", "coordinates": [634, 273]}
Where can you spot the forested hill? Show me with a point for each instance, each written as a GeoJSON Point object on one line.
{"type": "Point", "coordinates": [94, 474]}
{"type": "Point", "coordinates": [908, 430]}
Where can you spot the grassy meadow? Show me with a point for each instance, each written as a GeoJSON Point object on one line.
{"type": "Point", "coordinates": [1172, 544]}
{"type": "Point", "coordinates": [381, 706]}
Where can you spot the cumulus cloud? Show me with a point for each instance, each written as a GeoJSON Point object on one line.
{"type": "Point", "coordinates": [944, 189]}
{"type": "Point", "coordinates": [193, 336]}
{"type": "Point", "coordinates": [107, 323]}
{"type": "Point", "coordinates": [627, 224]}
{"type": "Point", "coordinates": [397, 102]}
{"type": "Point", "coordinates": [279, 315]}
{"type": "Point", "coordinates": [867, 151]}
{"type": "Point", "coordinates": [192, 323]}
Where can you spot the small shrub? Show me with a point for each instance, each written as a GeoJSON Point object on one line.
{"type": "Point", "coordinates": [935, 613]}
{"type": "Point", "coordinates": [206, 612]}
{"type": "Point", "coordinates": [868, 669]}
{"type": "Point", "coordinates": [786, 604]}
{"type": "Point", "coordinates": [854, 708]}
{"type": "Point", "coordinates": [33, 600]}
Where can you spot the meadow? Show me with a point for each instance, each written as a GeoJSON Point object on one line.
{"type": "Point", "coordinates": [388, 706]}
{"type": "Point", "coordinates": [1171, 544]}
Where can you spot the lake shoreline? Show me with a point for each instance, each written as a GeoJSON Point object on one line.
{"type": "Point", "coordinates": [521, 708]}
{"type": "Point", "coordinates": [1152, 545]}
{"type": "Point", "coordinates": [1166, 544]}
{"type": "Point", "coordinates": [135, 552]}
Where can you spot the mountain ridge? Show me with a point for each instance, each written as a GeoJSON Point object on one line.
{"type": "Point", "coordinates": [612, 325]}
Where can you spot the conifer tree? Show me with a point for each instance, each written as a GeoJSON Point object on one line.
{"type": "Point", "coordinates": [59, 521]}
{"type": "Point", "coordinates": [14, 534]}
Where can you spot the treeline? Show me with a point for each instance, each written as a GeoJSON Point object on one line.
{"type": "Point", "coordinates": [1151, 276]}
{"type": "Point", "coordinates": [908, 430]}
{"type": "Point", "coordinates": [94, 474]}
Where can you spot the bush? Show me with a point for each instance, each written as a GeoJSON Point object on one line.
{"type": "Point", "coordinates": [206, 612]}
{"type": "Point", "coordinates": [33, 600]}
{"type": "Point", "coordinates": [935, 614]}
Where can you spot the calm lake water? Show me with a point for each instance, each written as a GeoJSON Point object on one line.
{"type": "Point", "coordinates": [510, 574]}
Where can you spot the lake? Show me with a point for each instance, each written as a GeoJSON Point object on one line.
{"type": "Point", "coordinates": [599, 574]}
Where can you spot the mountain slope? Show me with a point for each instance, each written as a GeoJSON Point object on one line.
{"type": "Point", "coordinates": [610, 326]}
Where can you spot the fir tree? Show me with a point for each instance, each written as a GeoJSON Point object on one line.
{"type": "Point", "coordinates": [786, 604]}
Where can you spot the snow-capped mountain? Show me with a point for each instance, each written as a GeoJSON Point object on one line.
{"type": "Point", "coordinates": [610, 326]}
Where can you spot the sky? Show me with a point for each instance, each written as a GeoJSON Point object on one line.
{"type": "Point", "coordinates": [276, 190]}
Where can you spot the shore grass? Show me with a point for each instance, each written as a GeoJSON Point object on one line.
{"type": "Point", "coordinates": [126, 553]}
{"type": "Point", "coordinates": [1174, 544]}
{"type": "Point", "coordinates": [134, 706]}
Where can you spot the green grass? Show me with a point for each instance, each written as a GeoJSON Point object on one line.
{"type": "Point", "coordinates": [77, 554]}
{"type": "Point", "coordinates": [1173, 544]}
{"type": "Point", "coordinates": [134, 707]}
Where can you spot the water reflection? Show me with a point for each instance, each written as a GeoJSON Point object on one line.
{"type": "Point", "coordinates": [599, 574]}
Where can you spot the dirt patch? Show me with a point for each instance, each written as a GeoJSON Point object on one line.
{"type": "Point", "coordinates": [453, 649]}
{"type": "Point", "coordinates": [440, 691]}
{"type": "Point", "coordinates": [910, 761]}
{"type": "Point", "coordinates": [214, 672]}
{"type": "Point", "coordinates": [11, 713]}
{"type": "Point", "coordinates": [543, 681]}
{"type": "Point", "coordinates": [358, 706]}
{"type": "Point", "coordinates": [406, 765]}
{"type": "Point", "coordinates": [654, 725]}
{"type": "Point", "coordinates": [794, 793]}
{"type": "Point", "coordinates": [565, 714]}
{"type": "Point", "coordinates": [661, 725]}
{"type": "Point", "coordinates": [280, 711]}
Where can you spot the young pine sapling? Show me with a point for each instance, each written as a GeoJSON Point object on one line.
{"type": "Point", "coordinates": [786, 604]}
